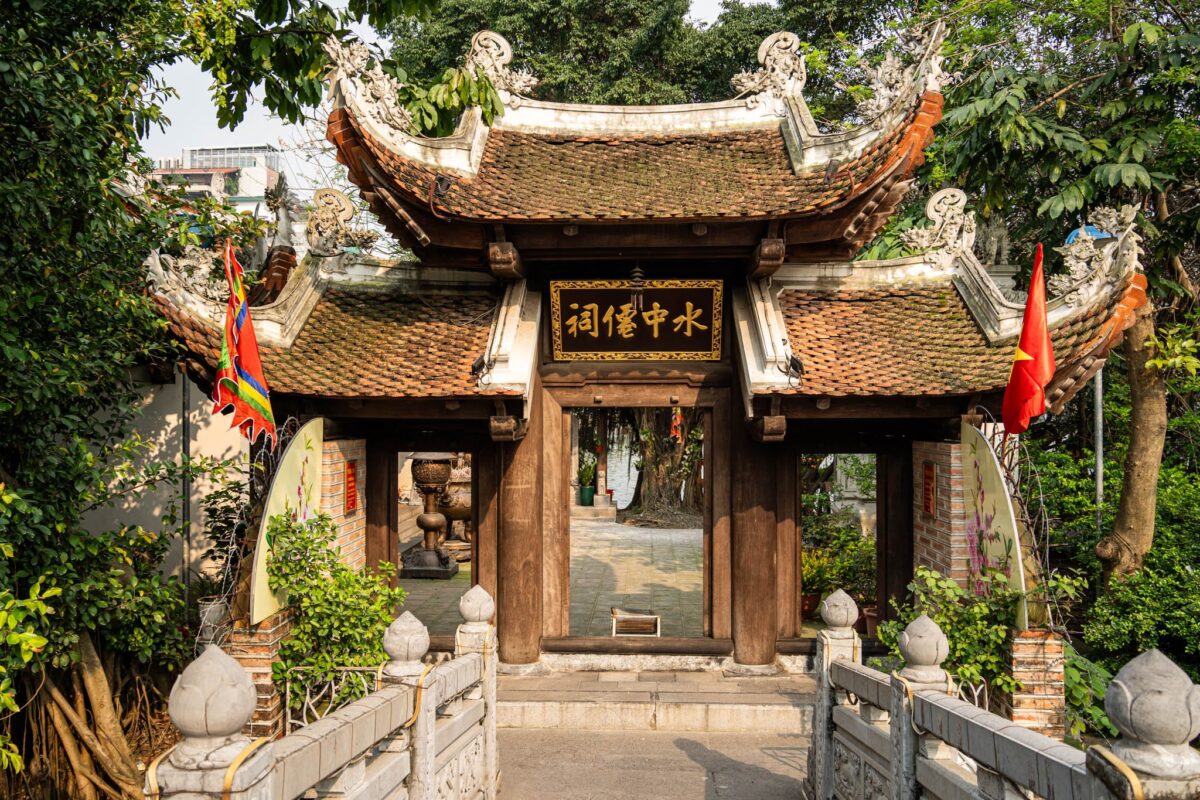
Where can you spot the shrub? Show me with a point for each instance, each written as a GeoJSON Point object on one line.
{"type": "Point", "coordinates": [1085, 683]}
{"type": "Point", "coordinates": [976, 625]}
{"type": "Point", "coordinates": [339, 614]}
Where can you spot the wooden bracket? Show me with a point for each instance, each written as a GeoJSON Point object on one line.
{"type": "Point", "coordinates": [771, 428]}
{"type": "Point", "coordinates": [507, 428]}
{"type": "Point", "coordinates": [768, 257]}
{"type": "Point", "coordinates": [505, 261]}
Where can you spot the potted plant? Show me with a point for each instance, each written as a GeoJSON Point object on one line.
{"type": "Point", "coordinates": [587, 477]}
{"type": "Point", "coordinates": [815, 567]}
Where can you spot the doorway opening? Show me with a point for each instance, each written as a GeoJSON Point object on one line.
{"type": "Point", "coordinates": [839, 535]}
{"type": "Point", "coordinates": [639, 529]}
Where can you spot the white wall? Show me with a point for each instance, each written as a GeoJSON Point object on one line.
{"type": "Point", "coordinates": [160, 424]}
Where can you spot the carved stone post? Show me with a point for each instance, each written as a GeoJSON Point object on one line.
{"type": "Point", "coordinates": [838, 642]}
{"type": "Point", "coordinates": [478, 635]}
{"type": "Point", "coordinates": [1156, 707]}
{"type": "Point", "coordinates": [210, 703]}
{"type": "Point", "coordinates": [406, 642]}
{"type": "Point", "coordinates": [924, 647]}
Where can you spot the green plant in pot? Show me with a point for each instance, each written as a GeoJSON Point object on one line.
{"type": "Point", "coordinates": [816, 574]}
{"type": "Point", "coordinates": [587, 479]}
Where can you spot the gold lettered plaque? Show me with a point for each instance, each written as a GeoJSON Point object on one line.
{"type": "Point", "coordinates": [613, 320]}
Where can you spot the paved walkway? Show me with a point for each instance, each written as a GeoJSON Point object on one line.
{"type": "Point", "coordinates": [641, 568]}
{"type": "Point", "coordinates": [587, 765]}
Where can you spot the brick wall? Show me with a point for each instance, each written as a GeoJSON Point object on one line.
{"type": "Point", "coordinates": [940, 538]}
{"type": "Point", "coordinates": [256, 648]}
{"type": "Point", "coordinates": [352, 525]}
{"type": "Point", "coordinates": [1037, 664]}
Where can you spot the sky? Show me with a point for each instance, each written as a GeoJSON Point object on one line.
{"type": "Point", "coordinates": [194, 120]}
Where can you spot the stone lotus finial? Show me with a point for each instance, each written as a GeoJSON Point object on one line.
{"type": "Point", "coordinates": [406, 641]}
{"type": "Point", "coordinates": [839, 611]}
{"type": "Point", "coordinates": [782, 74]}
{"type": "Point", "coordinates": [476, 607]}
{"type": "Point", "coordinates": [210, 703]}
{"type": "Point", "coordinates": [924, 647]}
{"type": "Point", "coordinates": [1156, 708]}
{"type": "Point", "coordinates": [491, 53]}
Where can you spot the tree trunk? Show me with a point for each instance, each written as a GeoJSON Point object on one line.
{"type": "Point", "coordinates": [1123, 550]}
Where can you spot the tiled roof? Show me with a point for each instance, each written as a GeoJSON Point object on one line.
{"type": "Point", "coordinates": [922, 341]}
{"type": "Point", "coordinates": [743, 174]}
{"type": "Point", "coordinates": [364, 344]}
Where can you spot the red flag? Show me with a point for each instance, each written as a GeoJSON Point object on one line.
{"type": "Point", "coordinates": [1033, 363]}
{"type": "Point", "coordinates": [240, 382]}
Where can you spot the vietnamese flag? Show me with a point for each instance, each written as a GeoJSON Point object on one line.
{"type": "Point", "coordinates": [1033, 363]}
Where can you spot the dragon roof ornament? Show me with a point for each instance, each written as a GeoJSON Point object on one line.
{"type": "Point", "coordinates": [895, 78]}
{"type": "Point", "coordinates": [491, 54]}
{"type": "Point", "coordinates": [377, 93]}
{"type": "Point", "coordinates": [782, 74]}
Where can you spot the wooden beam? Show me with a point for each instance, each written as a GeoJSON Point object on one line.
{"type": "Point", "coordinates": [409, 408]}
{"type": "Point", "coordinates": [770, 428]}
{"type": "Point", "coordinates": [660, 373]}
{"type": "Point", "coordinates": [507, 428]}
{"type": "Point", "coordinates": [808, 407]}
{"type": "Point", "coordinates": [519, 562]}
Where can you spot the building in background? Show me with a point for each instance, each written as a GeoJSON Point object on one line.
{"type": "Point", "coordinates": [240, 176]}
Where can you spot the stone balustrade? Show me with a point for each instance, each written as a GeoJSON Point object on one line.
{"type": "Point", "coordinates": [426, 732]}
{"type": "Point", "coordinates": [908, 735]}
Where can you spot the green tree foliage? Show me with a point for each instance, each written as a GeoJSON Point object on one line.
{"type": "Point", "coordinates": [636, 52]}
{"type": "Point", "coordinates": [80, 82]}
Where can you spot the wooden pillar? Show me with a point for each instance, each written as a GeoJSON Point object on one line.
{"type": "Point", "coordinates": [519, 554]}
{"type": "Point", "coordinates": [754, 546]}
{"type": "Point", "coordinates": [787, 545]}
{"type": "Point", "coordinates": [383, 536]}
{"type": "Point", "coordinates": [720, 550]}
{"type": "Point", "coordinates": [894, 524]}
{"type": "Point", "coordinates": [485, 494]}
{"type": "Point", "coordinates": [556, 541]}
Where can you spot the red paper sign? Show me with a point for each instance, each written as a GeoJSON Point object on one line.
{"type": "Point", "coordinates": [929, 488]}
{"type": "Point", "coordinates": [351, 487]}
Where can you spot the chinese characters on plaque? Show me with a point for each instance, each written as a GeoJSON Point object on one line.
{"type": "Point", "coordinates": [609, 320]}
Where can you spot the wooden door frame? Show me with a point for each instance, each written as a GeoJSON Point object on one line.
{"type": "Point", "coordinates": [715, 402]}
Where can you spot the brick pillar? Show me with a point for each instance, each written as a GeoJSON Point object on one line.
{"type": "Point", "coordinates": [940, 533]}
{"type": "Point", "coordinates": [256, 648]}
{"type": "Point", "coordinates": [350, 517]}
{"type": "Point", "coordinates": [1037, 664]}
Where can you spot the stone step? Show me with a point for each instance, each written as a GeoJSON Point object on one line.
{"type": "Point", "coordinates": [594, 512]}
{"type": "Point", "coordinates": [650, 701]}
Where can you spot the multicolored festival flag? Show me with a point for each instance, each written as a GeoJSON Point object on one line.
{"type": "Point", "coordinates": [240, 383]}
{"type": "Point", "coordinates": [1033, 363]}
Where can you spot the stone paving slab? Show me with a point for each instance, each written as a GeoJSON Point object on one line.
{"type": "Point", "coordinates": [678, 701]}
{"type": "Point", "coordinates": [588, 765]}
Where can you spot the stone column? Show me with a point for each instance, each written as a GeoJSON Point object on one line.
{"type": "Point", "coordinates": [1156, 707]}
{"type": "Point", "coordinates": [212, 700]}
{"type": "Point", "coordinates": [602, 461]}
{"type": "Point", "coordinates": [477, 635]}
{"type": "Point", "coordinates": [924, 647]}
{"type": "Point", "coordinates": [838, 642]}
{"type": "Point", "coordinates": [406, 642]}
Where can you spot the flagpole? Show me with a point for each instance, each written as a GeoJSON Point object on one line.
{"type": "Point", "coordinates": [1098, 423]}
